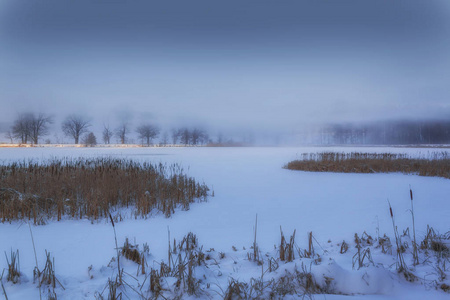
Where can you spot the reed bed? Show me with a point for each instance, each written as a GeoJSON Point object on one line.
{"type": "Point", "coordinates": [91, 187]}
{"type": "Point", "coordinates": [436, 164]}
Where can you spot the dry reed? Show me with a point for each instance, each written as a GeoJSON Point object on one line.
{"type": "Point", "coordinates": [91, 187]}
{"type": "Point", "coordinates": [436, 164]}
{"type": "Point", "coordinates": [13, 267]}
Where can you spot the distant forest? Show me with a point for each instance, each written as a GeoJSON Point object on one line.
{"type": "Point", "coordinates": [387, 133]}
{"type": "Point", "coordinates": [30, 128]}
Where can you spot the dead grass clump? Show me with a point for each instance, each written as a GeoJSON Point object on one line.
{"type": "Point", "coordinates": [91, 187]}
{"type": "Point", "coordinates": [344, 247]}
{"type": "Point", "coordinates": [310, 252]}
{"type": "Point", "coordinates": [183, 258]}
{"type": "Point", "coordinates": [113, 289]}
{"type": "Point", "coordinates": [307, 282]}
{"type": "Point", "coordinates": [47, 275]}
{"type": "Point", "coordinates": [13, 267]}
{"type": "Point", "coordinates": [287, 249]}
{"type": "Point", "coordinates": [236, 290]}
{"type": "Point", "coordinates": [362, 255]}
{"type": "Point", "coordinates": [438, 164]}
{"type": "Point", "coordinates": [385, 244]}
{"type": "Point", "coordinates": [189, 242]}
{"type": "Point", "coordinates": [401, 265]}
{"type": "Point", "coordinates": [439, 243]}
{"type": "Point", "coordinates": [285, 285]}
{"type": "Point", "coordinates": [301, 283]}
{"type": "Point", "coordinates": [439, 247]}
{"type": "Point", "coordinates": [155, 283]}
{"type": "Point", "coordinates": [131, 252]}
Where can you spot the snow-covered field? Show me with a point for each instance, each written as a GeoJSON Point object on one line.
{"type": "Point", "coordinates": [246, 182]}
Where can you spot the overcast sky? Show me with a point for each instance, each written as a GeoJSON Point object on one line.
{"type": "Point", "coordinates": [225, 64]}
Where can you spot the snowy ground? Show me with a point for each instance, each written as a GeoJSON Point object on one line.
{"type": "Point", "coordinates": [246, 182]}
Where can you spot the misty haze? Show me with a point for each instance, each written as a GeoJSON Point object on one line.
{"type": "Point", "coordinates": [252, 73]}
{"type": "Point", "coordinates": [224, 149]}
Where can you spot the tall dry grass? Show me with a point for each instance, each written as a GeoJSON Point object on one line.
{"type": "Point", "coordinates": [91, 187]}
{"type": "Point", "coordinates": [437, 164]}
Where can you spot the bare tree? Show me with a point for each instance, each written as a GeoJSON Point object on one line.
{"type": "Point", "coordinates": [204, 138]}
{"type": "Point", "coordinates": [220, 138]}
{"type": "Point", "coordinates": [185, 136]}
{"type": "Point", "coordinates": [195, 136]}
{"type": "Point", "coordinates": [122, 132]}
{"type": "Point", "coordinates": [58, 139]}
{"type": "Point", "coordinates": [165, 138]}
{"type": "Point", "coordinates": [9, 136]}
{"type": "Point", "coordinates": [39, 126]}
{"type": "Point", "coordinates": [199, 136]}
{"type": "Point", "coordinates": [30, 127]}
{"type": "Point", "coordinates": [21, 127]}
{"type": "Point", "coordinates": [147, 132]}
{"type": "Point", "coordinates": [74, 126]}
{"type": "Point", "coordinates": [107, 134]}
{"type": "Point", "coordinates": [175, 136]}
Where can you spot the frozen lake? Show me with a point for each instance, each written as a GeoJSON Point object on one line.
{"type": "Point", "coordinates": [246, 182]}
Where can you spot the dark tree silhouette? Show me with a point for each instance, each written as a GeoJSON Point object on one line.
{"type": "Point", "coordinates": [74, 126]}
{"type": "Point", "coordinates": [175, 135]}
{"type": "Point", "coordinates": [39, 126]}
{"type": "Point", "coordinates": [30, 127]}
{"type": "Point", "coordinates": [185, 136]}
{"type": "Point", "coordinates": [90, 140]}
{"type": "Point", "coordinates": [9, 136]}
{"type": "Point", "coordinates": [165, 138]}
{"type": "Point", "coordinates": [107, 134]}
{"type": "Point", "coordinates": [21, 127]}
{"type": "Point", "coordinates": [147, 132]}
{"type": "Point", "coordinates": [122, 132]}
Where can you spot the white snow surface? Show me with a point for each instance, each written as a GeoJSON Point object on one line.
{"type": "Point", "coordinates": [246, 182]}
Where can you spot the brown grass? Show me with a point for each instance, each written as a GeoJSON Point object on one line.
{"type": "Point", "coordinates": [13, 267]}
{"type": "Point", "coordinates": [91, 187]}
{"type": "Point", "coordinates": [287, 249]}
{"type": "Point", "coordinates": [437, 164]}
{"type": "Point", "coordinates": [131, 252]}
{"type": "Point", "coordinates": [436, 242]}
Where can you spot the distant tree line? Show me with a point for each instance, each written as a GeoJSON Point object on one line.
{"type": "Point", "coordinates": [188, 136]}
{"type": "Point", "coordinates": [29, 128]}
{"type": "Point", "coordinates": [387, 133]}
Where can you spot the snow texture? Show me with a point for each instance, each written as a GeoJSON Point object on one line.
{"type": "Point", "coordinates": [246, 182]}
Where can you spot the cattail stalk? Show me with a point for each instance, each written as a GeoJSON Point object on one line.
{"type": "Point", "coordinates": [400, 264]}
{"type": "Point", "coordinates": [415, 250]}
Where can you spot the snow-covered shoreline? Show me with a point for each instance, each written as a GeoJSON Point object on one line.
{"type": "Point", "coordinates": [246, 182]}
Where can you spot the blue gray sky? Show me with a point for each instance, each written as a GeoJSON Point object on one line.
{"type": "Point", "coordinates": [263, 65]}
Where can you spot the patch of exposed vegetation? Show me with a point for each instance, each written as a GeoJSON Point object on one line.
{"type": "Point", "coordinates": [287, 271]}
{"type": "Point", "coordinates": [91, 187]}
{"type": "Point", "coordinates": [437, 164]}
